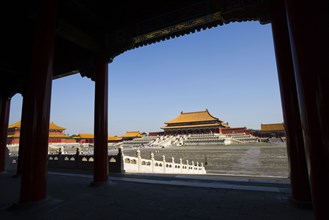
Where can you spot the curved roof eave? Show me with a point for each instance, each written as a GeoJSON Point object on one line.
{"type": "Point", "coordinates": [241, 13]}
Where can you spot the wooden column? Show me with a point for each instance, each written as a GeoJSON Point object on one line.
{"type": "Point", "coordinates": [4, 120]}
{"type": "Point", "coordinates": [308, 30]}
{"type": "Point", "coordinates": [38, 94]}
{"type": "Point", "coordinates": [295, 144]}
{"type": "Point", "coordinates": [101, 171]}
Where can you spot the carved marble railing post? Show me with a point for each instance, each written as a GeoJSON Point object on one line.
{"type": "Point", "coordinates": [76, 158]}
{"type": "Point", "coordinates": [77, 153]}
{"type": "Point", "coordinates": [139, 160]}
{"type": "Point", "coordinates": [197, 167]}
{"type": "Point", "coordinates": [60, 157]}
{"type": "Point", "coordinates": [181, 165]}
{"type": "Point", "coordinates": [120, 151]}
{"type": "Point", "coordinates": [121, 159]}
{"type": "Point", "coordinates": [164, 163]}
{"type": "Point", "coordinates": [187, 167]}
{"type": "Point", "coordinates": [193, 171]}
{"type": "Point", "coordinates": [173, 164]}
{"type": "Point", "coordinates": [152, 161]}
{"type": "Point", "coordinates": [202, 168]}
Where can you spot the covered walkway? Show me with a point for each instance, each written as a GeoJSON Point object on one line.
{"type": "Point", "coordinates": [60, 38]}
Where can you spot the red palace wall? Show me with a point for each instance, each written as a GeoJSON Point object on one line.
{"type": "Point", "coordinates": [155, 133]}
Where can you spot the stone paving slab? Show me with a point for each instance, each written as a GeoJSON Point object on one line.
{"type": "Point", "coordinates": [129, 197]}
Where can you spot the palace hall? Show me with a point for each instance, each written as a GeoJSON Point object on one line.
{"type": "Point", "coordinates": [83, 138]}
{"type": "Point", "coordinates": [194, 123]}
{"type": "Point", "coordinates": [56, 134]}
{"type": "Point", "coordinates": [271, 130]}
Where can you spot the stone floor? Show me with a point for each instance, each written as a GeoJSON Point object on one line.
{"type": "Point", "coordinates": [135, 196]}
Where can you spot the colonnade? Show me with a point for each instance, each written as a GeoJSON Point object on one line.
{"type": "Point", "coordinates": [301, 47]}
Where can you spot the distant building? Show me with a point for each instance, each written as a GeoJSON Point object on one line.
{"type": "Point", "coordinates": [56, 134]}
{"type": "Point", "coordinates": [129, 135]}
{"type": "Point", "coordinates": [89, 139]}
{"type": "Point", "coordinates": [194, 123]}
{"type": "Point", "coordinates": [84, 138]}
{"type": "Point", "coordinates": [156, 133]}
{"type": "Point", "coordinates": [276, 130]}
{"type": "Point", "coordinates": [114, 139]}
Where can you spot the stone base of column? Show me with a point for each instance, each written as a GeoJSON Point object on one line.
{"type": "Point", "coordinates": [301, 204]}
{"type": "Point", "coordinates": [98, 184]}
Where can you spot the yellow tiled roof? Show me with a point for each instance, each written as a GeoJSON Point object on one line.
{"type": "Point", "coordinates": [15, 125]}
{"type": "Point", "coordinates": [132, 134]}
{"type": "Point", "coordinates": [52, 126]}
{"type": "Point", "coordinates": [112, 138]}
{"type": "Point", "coordinates": [193, 117]}
{"type": "Point", "coordinates": [91, 136]}
{"type": "Point", "coordinates": [272, 127]}
{"type": "Point", "coordinates": [17, 135]}
{"type": "Point", "coordinates": [86, 136]}
{"type": "Point", "coordinates": [193, 126]}
{"type": "Point", "coordinates": [225, 125]}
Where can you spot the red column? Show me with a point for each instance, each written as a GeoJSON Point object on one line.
{"type": "Point", "coordinates": [308, 30]}
{"type": "Point", "coordinates": [101, 121]}
{"type": "Point", "coordinates": [37, 98]}
{"type": "Point", "coordinates": [295, 144]}
{"type": "Point", "coordinates": [4, 120]}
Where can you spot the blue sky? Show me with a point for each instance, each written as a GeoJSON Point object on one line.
{"type": "Point", "coordinates": [229, 70]}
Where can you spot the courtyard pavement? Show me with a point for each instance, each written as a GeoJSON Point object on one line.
{"type": "Point", "coordinates": [137, 196]}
